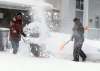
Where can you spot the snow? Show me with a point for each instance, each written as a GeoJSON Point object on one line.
{"type": "Point", "coordinates": [53, 43]}
{"type": "Point", "coordinates": [10, 62]}
{"type": "Point", "coordinates": [60, 60]}
{"type": "Point", "coordinates": [90, 47]}
{"type": "Point", "coordinates": [26, 2]}
{"type": "Point", "coordinates": [52, 47]}
{"type": "Point", "coordinates": [4, 29]}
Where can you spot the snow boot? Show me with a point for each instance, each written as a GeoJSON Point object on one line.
{"type": "Point", "coordinates": [84, 59]}
{"type": "Point", "coordinates": [15, 50]}
{"type": "Point", "coordinates": [76, 60]}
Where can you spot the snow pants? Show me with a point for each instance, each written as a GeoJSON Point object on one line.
{"type": "Point", "coordinates": [78, 51]}
{"type": "Point", "coordinates": [15, 45]}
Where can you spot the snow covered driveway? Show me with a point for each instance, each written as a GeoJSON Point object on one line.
{"type": "Point", "coordinates": [60, 60]}
{"type": "Point", "coordinates": [10, 62]}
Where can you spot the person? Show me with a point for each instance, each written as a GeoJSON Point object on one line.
{"type": "Point", "coordinates": [78, 37]}
{"type": "Point", "coordinates": [15, 32]}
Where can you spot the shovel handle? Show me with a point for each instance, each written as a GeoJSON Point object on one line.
{"type": "Point", "coordinates": [62, 46]}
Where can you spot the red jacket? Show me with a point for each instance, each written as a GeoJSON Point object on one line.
{"type": "Point", "coordinates": [16, 29]}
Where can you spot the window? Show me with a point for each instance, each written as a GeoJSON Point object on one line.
{"type": "Point", "coordinates": [80, 4]}
{"type": "Point", "coordinates": [79, 14]}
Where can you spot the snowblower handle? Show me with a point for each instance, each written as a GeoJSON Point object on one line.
{"type": "Point", "coordinates": [23, 39]}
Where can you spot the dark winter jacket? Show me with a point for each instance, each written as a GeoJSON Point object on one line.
{"type": "Point", "coordinates": [16, 29]}
{"type": "Point", "coordinates": [78, 33]}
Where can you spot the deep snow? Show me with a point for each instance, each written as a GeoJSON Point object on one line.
{"type": "Point", "coordinates": [59, 60]}
{"type": "Point", "coordinates": [10, 62]}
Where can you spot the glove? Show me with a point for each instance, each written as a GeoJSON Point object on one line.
{"type": "Point", "coordinates": [24, 34]}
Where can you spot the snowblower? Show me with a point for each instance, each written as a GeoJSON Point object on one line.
{"type": "Point", "coordinates": [34, 48]}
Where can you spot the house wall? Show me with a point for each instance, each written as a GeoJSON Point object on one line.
{"type": "Point", "coordinates": [93, 12]}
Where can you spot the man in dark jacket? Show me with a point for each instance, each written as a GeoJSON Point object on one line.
{"type": "Point", "coordinates": [78, 36]}
{"type": "Point", "coordinates": [15, 31]}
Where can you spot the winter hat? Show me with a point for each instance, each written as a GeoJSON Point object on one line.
{"type": "Point", "coordinates": [19, 14]}
{"type": "Point", "coordinates": [75, 19]}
